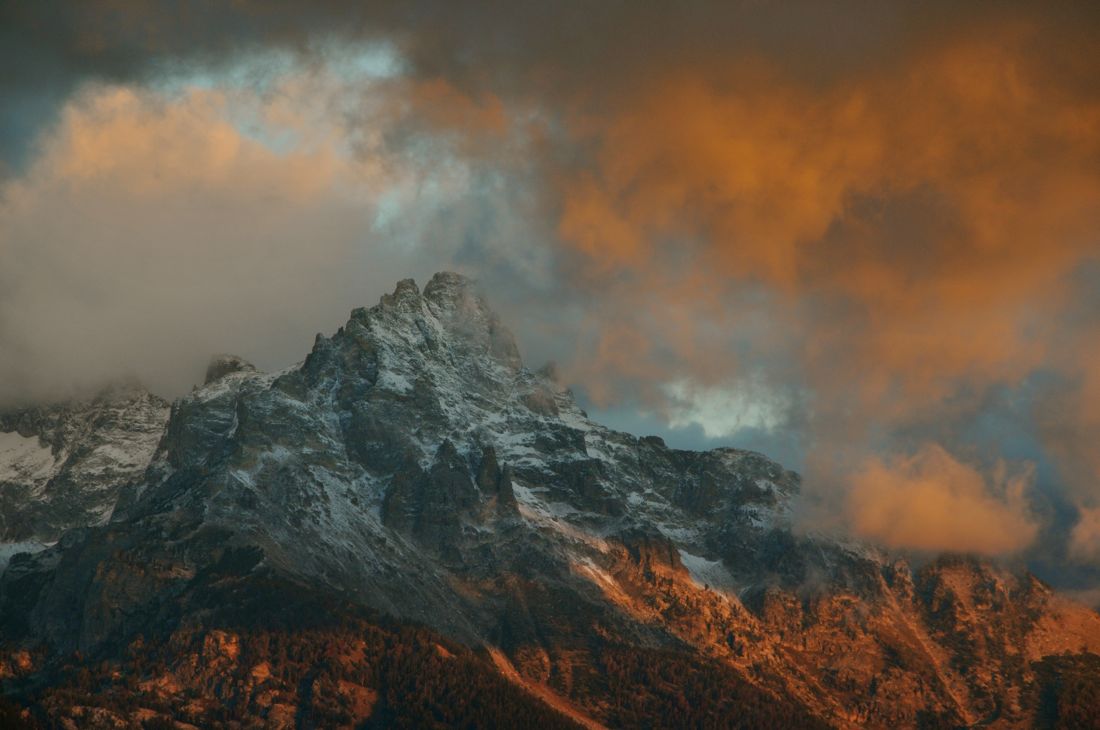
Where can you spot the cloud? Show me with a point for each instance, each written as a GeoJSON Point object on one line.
{"type": "Point", "coordinates": [1068, 413]}
{"type": "Point", "coordinates": [724, 411]}
{"type": "Point", "coordinates": [911, 203]}
{"type": "Point", "coordinates": [931, 502]}
{"type": "Point", "coordinates": [1085, 536]}
{"type": "Point", "coordinates": [157, 228]}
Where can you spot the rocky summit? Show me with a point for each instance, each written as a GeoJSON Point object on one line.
{"type": "Point", "coordinates": [411, 528]}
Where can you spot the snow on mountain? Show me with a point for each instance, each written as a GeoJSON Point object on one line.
{"type": "Point", "coordinates": [63, 465]}
{"type": "Point", "coordinates": [23, 459]}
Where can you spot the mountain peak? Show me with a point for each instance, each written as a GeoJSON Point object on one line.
{"type": "Point", "coordinates": [405, 297]}
{"type": "Point", "coordinates": [451, 316]}
{"type": "Point", "coordinates": [449, 286]}
{"type": "Point", "coordinates": [223, 364]}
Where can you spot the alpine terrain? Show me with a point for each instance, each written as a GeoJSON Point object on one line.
{"type": "Point", "coordinates": [412, 529]}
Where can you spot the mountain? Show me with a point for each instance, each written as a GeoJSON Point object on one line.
{"type": "Point", "coordinates": [63, 465]}
{"type": "Point", "coordinates": [410, 527]}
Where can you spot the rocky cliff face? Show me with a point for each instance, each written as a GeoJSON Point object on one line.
{"type": "Point", "coordinates": [63, 465]}
{"type": "Point", "coordinates": [413, 467]}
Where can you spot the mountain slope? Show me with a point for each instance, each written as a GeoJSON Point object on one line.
{"type": "Point", "coordinates": [64, 465]}
{"type": "Point", "coordinates": [413, 467]}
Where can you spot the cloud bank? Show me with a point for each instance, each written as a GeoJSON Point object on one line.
{"type": "Point", "coordinates": [932, 502]}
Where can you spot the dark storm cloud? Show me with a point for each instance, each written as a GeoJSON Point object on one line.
{"type": "Point", "coordinates": [48, 48]}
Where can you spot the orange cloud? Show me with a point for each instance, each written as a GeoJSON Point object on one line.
{"type": "Point", "coordinates": [1068, 420]}
{"type": "Point", "coordinates": [941, 199]}
{"type": "Point", "coordinates": [1084, 539]}
{"type": "Point", "coordinates": [147, 146]}
{"type": "Point", "coordinates": [931, 502]}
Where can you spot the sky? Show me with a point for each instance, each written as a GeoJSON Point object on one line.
{"type": "Point", "coordinates": [862, 238]}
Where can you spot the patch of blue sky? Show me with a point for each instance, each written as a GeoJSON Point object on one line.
{"type": "Point", "coordinates": [434, 189]}
{"type": "Point", "coordinates": [262, 69]}
{"type": "Point", "coordinates": [258, 74]}
{"type": "Point", "coordinates": [788, 446]}
{"type": "Point", "coordinates": [350, 62]}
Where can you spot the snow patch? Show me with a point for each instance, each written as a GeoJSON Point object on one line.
{"type": "Point", "coordinates": [678, 533]}
{"type": "Point", "coordinates": [705, 572]}
{"type": "Point", "coordinates": [597, 575]}
{"type": "Point", "coordinates": [552, 516]}
{"type": "Point", "coordinates": [24, 459]}
{"type": "Point", "coordinates": [394, 382]}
